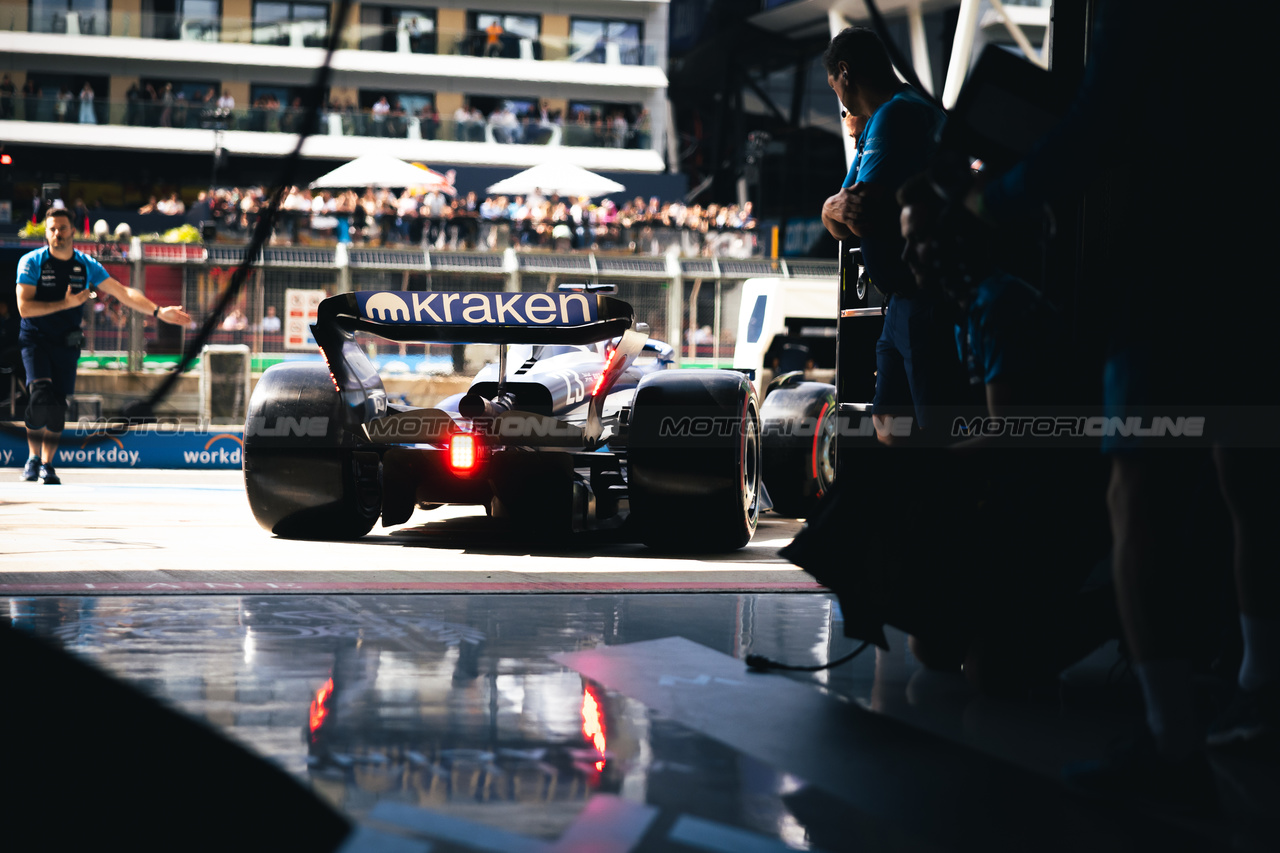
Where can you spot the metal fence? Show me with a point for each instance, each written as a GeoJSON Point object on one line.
{"type": "Point", "coordinates": [689, 302]}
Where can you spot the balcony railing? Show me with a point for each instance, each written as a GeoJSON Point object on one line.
{"type": "Point", "coordinates": [183, 113]}
{"type": "Point", "coordinates": [553, 48]}
{"type": "Point", "coordinates": [85, 23]}
{"type": "Point", "coordinates": [405, 37]}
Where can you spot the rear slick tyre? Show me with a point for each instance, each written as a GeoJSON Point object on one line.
{"type": "Point", "coordinates": [302, 477]}
{"type": "Point", "coordinates": [799, 428]}
{"type": "Point", "coordinates": [693, 459]}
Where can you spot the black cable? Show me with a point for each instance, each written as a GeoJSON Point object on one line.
{"type": "Point", "coordinates": [760, 662]}
{"type": "Point", "coordinates": [312, 100]}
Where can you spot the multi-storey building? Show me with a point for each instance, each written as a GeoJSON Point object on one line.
{"type": "Point", "coordinates": [463, 84]}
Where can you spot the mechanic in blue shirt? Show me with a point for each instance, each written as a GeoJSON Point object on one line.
{"type": "Point", "coordinates": [916, 369]}
{"type": "Point", "coordinates": [1006, 328]}
{"type": "Point", "coordinates": [1009, 338]}
{"type": "Point", "coordinates": [948, 565]}
{"type": "Point", "coordinates": [1004, 502]}
{"type": "Point", "coordinates": [1170, 356]}
{"type": "Point", "coordinates": [54, 282]}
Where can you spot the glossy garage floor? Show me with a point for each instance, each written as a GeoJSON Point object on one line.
{"type": "Point", "coordinates": [618, 722]}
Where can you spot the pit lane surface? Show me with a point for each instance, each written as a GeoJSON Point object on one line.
{"type": "Point", "coordinates": [161, 531]}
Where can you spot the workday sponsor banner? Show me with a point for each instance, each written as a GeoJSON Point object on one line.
{"type": "Point", "coordinates": [150, 446]}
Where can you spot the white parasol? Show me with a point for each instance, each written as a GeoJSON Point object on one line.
{"type": "Point", "coordinates": [380, 170]}
{"type": "Point", "coordinates": [563, 178]}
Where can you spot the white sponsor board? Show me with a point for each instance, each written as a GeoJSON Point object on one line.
{"type": "Point", "coordinates": [300, 306]}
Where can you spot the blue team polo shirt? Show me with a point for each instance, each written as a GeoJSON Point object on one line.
{"type": "Point", "coordinates": [899, 140]}
{"type": "Point", "coordinates": [52, 278]}
{"type": "Point", "coordinates": [1009, 334]}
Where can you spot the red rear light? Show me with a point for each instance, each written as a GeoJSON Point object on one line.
{"type": "Point", "coordinates": [464, 452]}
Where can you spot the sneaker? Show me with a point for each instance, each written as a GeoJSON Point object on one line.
{"type": "Point", "coordinates": [49, 476]}
{"type": "Point", "coordinates": [1252, 719]}
{"type": "Point", "coordinates": [1135, 772]}
{"type": "Point", "coordinates": [31, 471]}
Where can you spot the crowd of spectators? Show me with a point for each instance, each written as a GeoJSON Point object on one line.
{"type": "Point", "coordinates": [147, 106]}
{"type": "Point", "coordinates": [466, 222]}
{"type": "Point", "coordinates": [388, 117]}
{"type": "Point", "coordinates": [63, 104]}
{"type": "Point", "coordinates": [151, 105]}
{"type": "Point", "coordinates": [172, 205]}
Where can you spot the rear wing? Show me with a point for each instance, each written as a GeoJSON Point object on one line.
{"type": "Point", "coordinates": [412, 315]}
{"type": "Point", "coordinates": [476, 317]}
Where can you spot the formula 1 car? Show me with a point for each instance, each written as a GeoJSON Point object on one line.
{"type": "Point", "coordinates": [578, 426]}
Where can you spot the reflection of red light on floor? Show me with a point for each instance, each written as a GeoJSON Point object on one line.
{"type": "Point", "coordinates": [318, 710]}
{"type": "Point", "coordinates": [593, 724]}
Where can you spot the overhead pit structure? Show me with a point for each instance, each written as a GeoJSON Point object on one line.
{"type": "Point", "coordinates": [755, 117]}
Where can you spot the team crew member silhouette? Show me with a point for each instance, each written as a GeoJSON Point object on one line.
{"type": "Point", "coordinates": [53, 283]}
{"type": "Point", "coordinates": [917, 372]}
